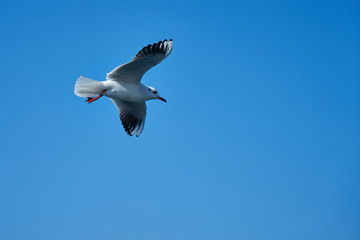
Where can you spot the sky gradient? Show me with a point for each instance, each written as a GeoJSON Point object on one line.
{"type": "Point", "coordinates": [259, 138]}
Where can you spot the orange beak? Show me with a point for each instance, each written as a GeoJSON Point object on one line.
{"type": "Point", "coordinates": [162, 99]}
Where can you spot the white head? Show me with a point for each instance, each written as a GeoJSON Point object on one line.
{"type": "Point", "coordinates": [153, 94]}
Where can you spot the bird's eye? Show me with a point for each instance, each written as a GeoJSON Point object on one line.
{"type": "Point", "coordinates": [149, 89]}
{"type": "Point", "coordinates": [155, 92]}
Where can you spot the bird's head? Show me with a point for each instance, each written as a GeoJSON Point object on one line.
{"type": "Point", "coordinates": [154, 94]}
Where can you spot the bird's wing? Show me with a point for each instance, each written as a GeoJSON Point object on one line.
{"type": "Point", "coordinates": [148, 57]}
{"type": "Point", "coordinates": [132, 115]}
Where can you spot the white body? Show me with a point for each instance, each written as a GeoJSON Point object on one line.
{"type": "Point", "coordinates": [86, 87]}
{"type": "Point", "coordinates": [127, 92]}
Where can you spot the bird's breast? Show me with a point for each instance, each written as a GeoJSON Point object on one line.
{"type": "Point", "coordinates": [122, 92]}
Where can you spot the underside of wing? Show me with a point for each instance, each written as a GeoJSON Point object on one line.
{"type": "Point", "coordinates": [146, 58]}
{"type": "Point", "coordinates": [132, 116]}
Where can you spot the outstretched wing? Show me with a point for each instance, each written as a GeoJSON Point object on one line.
{"type": "Point", "coordinates": [148, 57]}
{"type": "Point", "coordinates": [132, 116]}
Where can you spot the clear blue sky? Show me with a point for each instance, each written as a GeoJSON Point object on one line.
{"type": "Point", "coordinates": [259, 138]}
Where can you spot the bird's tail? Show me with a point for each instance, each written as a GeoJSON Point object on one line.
{"type": "Point", "coordinates": [85, 87]}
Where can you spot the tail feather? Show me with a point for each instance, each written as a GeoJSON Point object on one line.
{"type": "Point", "coordinates": [85, 87]}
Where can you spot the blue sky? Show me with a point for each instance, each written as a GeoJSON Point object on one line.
{"type": "Point", "coordinates": [259, 138]}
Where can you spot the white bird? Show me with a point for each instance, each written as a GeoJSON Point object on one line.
{"type": "Point", "coordinates": [123, 86]}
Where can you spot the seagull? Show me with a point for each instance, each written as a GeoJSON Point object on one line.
{"type": "Point", "coordinates": [124, 88]}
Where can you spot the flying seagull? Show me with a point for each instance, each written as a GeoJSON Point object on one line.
{"type": "Point", "coordinates": [123, 86]}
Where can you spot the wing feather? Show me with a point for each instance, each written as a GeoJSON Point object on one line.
{"type": "Point", "coordinates": [145, 59]}
{"type": "Point", "coordinates": [132, 116]}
